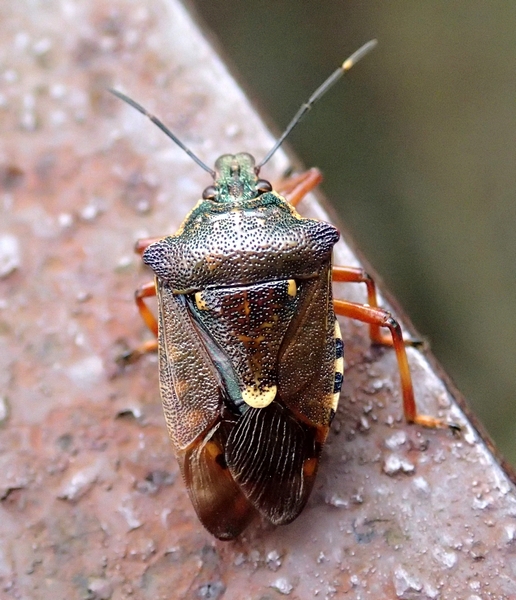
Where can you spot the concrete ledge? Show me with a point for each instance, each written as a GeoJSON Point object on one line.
{"type": "Point", "coordinates": [91, 501]}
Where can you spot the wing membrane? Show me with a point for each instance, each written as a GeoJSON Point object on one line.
{"type": "Point", "coordinates": [220, 504]}
{"type": "Point", "coordinates": [272, 458]}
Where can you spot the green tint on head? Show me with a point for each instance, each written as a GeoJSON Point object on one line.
{"type": "Point", "coordinates": [235, 177]}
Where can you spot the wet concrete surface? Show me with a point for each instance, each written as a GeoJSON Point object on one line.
{"type": "Point", "coordinates": [91, 501]}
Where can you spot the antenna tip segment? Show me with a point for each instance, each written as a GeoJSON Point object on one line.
{"type": "Point", "coordinates": [358, 54]}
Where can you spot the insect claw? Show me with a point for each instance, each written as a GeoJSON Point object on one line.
{"type": "Point", "coordinates": [130, 355]}
{"type": "Point", "coordinates": [127, 357]}
{"type": "Point", "coordinates": [455, 428]}
{"type": "Point", "coordinates": [419, 343]}
{"type": "Point", "coordinates": [434, 423]}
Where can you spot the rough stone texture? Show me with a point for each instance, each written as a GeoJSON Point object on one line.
{"type": "Point", "coordinates": [91, 503]}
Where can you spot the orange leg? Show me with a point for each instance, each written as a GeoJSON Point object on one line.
{"type": "Point", "coordinates": [358, 275]}
{"type": "Point", "coordinates": [378, 317]}
{"type": "Point", "coordinates": [295, 188]}
{"type": "Point", "coordinates": [147, 290]}
{"type": "Point", "coordinates": [141, 245]}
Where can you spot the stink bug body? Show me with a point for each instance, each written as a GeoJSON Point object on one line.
{"type": "Point", "coordinates": [250, 351]}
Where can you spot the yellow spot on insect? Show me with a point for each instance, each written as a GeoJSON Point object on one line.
{"type": "Point", "coordinates": [212, 450]}
{"type": "Point", "coordinates": [259, 398]}
{"type": "Point", "coordinates": [309, 467]}
{"type": "Point", "coordinates": [292, 288]}
{"type": "Point", "coordinates": [247, 307]}
{"type": "Point", "coordinates": [213, 261]}
{"type": "Point", "coordinates": [339, 366]}
{"type": "Point", "coordinates": [252, 342]}
{"type": "Point", "coordinates": [339, 362]}
{"type": "Point", "coordinates": [200, 301]}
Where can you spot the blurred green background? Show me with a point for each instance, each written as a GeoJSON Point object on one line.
{"type": "Point", "coordinates": [418, 150]}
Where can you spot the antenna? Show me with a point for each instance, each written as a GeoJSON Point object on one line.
{"type": "Point", "coordinates": [163, 128]}
{"type": "Point", "coordinates": [319, 92]}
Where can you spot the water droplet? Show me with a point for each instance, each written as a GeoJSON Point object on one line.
{"type": "Point", "coordinates": [446, 558]}
{"type": "Point", "coordinates": [89, 212]}
{"type": "Point", "coordinates": [4, 410]}
{"type": "Point", "coordinates": [80, 479]}
{"type": "Point", "coordinates": [10, 258]}
{"type": "Point", "coordinates": [212, 590]}
{"type": "Point", "coordinates": [469, 436]}
{"type": "Point", "coordinates": [273, 560]}
{"type": "Point", "coordinates": [367, 408]}
{"type": "Point", "coordinates": [396, 440]}
{"type": "Point", "coordinates": [57, 91]}
{"type": "Point", "coordinates": [126, 509]}
{"type": "Point", "coordinates": [282, 585]}
{"type": "Point", "coordinates": [405, 584]}
{"type": "Point", "coordinates": [42, 46]}
{"type": "Point", "coordinates": [481, 503]}
{"type": "Point", "coordinates": [364, 425]}
{"type": "Point", "coordinates": [232, 131]}
{"type": "Point", "coordinates": [87, 371]}
{"type": "Point", "coordinates": [421, 485]}
{"type": "Point", "coordinates": [337, 501]}
{"type": "Point", "coordinates": [21, 40]}
{"type": "Point", "coordinates": [239, 559]}
{"type": "Point", "coordinates": [100, 588]}
{"type": "Point", "coordinates": [10, 76]}
{"type": "Point", "coordinates": [394, 464]}
{"type": "Point", "coordinates": [509, 534]}
{"type": "Point", "coordinates": [65, 220]}
{"type": "Point", "coordinates": [358, 497]}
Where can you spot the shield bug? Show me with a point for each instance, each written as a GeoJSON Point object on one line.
{"type": "Point", "coordinates": [250, 351]}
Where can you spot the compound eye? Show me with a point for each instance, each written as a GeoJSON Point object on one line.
{"type": "Point", "coordinates": [210, 193]}
{"type": "Point", "coordinates": [262, 185]}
